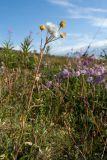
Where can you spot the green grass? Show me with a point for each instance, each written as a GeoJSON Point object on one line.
{"type": "Point", "coordinates": [68, 122]}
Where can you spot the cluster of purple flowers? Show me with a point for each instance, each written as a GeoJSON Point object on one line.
{"type": "Point", "coordinates": [63, 75]}
{"type": "Point", "coordinates": [59, 78]}
{"type": "Point", "coordinates": [89, 67]}
{"type": "Point", "coordinates": [95, 72]}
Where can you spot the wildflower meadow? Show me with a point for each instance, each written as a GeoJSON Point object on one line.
{"type": "Point", "coordinates": [52, 107]}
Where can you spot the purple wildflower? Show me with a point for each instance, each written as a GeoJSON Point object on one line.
{"type": "Point", "coordinates": [77, 73]}
{"type": "Point", "coordinates": [86, 62]}
{"type": "Point", "coordinates": [100, 78]}
{"type": "Point", "coordinates": [83, 71]}
{"type": "Point", "coordinates": [102, 69]}
{"type": "Point", "coordinates": [98, 73]}
{"type": "Point", "coordinates": [91, 71]}
{"type": "Point", "coordinates": [64, 74]}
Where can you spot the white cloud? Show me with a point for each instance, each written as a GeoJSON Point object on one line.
{"type": "Point", "coordinates": [89, 10]}
{"type": "Point", "coordinates": [62, 49]}
{"type": "Point", "coordinates": [64, 3]}
{"type": "Point", "coordinates": [69, 4]}
{"type": "Point", "coordinates": [99, 43]}
{"type": "Point", "coordinates": [78, 14]}
{"type": "Point", "coordinates": [92, 19]}
{"type": "Point", "coordinates": [96, 10]}
{"type": "Point", "coordinates": [99, 22]}
{"type": "Point", "coordinates": [87, 13]}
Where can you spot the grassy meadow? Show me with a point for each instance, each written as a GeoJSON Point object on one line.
{"type": "Point", "coordinates": [52, 108]}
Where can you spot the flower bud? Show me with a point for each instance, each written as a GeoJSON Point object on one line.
{"type": "Point", "coordinates": [62, 24]}
{"type": "Point", "coordinates": [63, 35]}
{"type": "Point", "coordinates": [42, 27]}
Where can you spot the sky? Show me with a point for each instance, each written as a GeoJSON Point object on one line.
{"type": "Point", "coordinates": [84, 18]}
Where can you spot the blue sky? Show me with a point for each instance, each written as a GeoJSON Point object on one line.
{"type": "Point", "coordinates": [83, 17]}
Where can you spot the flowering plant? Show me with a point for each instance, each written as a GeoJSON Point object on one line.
{"type": "Point", "coordinates": [53, 33]}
